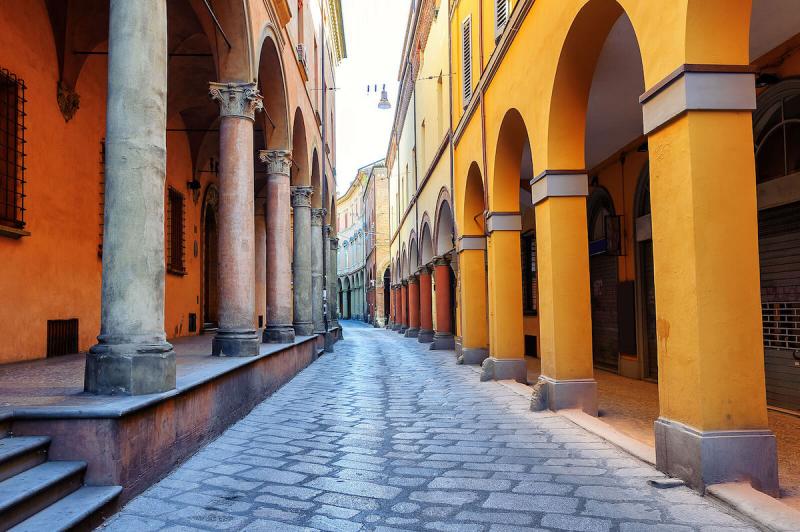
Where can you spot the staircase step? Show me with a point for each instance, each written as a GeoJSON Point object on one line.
{"type": "Point", "coordinates": [18, 454]}
{"type": "Point", "coordinates": [70, 511]}
{"type": "Point", "coordinates": [29, 492]}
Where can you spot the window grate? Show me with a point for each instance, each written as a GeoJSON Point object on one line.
{"type": "Point", "coordinates": [62, 337]}
{"type": "Point", "coordinates": [176, 244]}
{"type": "Point", "coordinates": [466, 36]}
{"type": "Point", "coordinates": [529, 280]}
{"type": "Point", "coordinates": [12, 150]}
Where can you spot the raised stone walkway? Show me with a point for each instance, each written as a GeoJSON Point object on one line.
{"type": "Point", "coordinates": [384, 434]}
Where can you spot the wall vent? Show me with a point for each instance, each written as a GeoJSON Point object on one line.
{"type": "Point", "coordinates": [62, 337]}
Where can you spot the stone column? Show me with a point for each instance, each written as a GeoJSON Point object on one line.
{"type": "Point", "coordinates": [425, 307]}
{"type": "Point", "coordinates": [132, 356]}
{"type": "Point", "coordinates": [403, 306]}
{"type": "Point", "coordinates": [301, 264]}
{"type": "Point", "coordinates": [279, 328]}
{"type": "Point", "coordinates": [396, 304]}
{"type": "Point", "coordinates": [261, 265]}
{"type": "Point", "coordinates": [333, 305]}
{"type": "Point", "coordinates": [317, 277]}
{"type": "Point", "coordinates": [236, 235]}
{"type": "Point", "coordinates": [413, 307]}
{"type": "Point", "coordinates": [443, 338]}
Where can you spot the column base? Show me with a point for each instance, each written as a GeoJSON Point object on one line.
{"type": "Point", "coordinates": [402, 329]}
{"type": "Point", "coordinates": [330, 340]}
{"type": "Point", "coordinates": [412, 332]}
{"type": "Point", "coordinates": [705, 458]}
{"type": "Point", "coordinates": [425, 336]}
{"type": "Point", "coordinates": [473, 355]}
{"type": "Point", "coordinates": [555, 395]}
{"type": "Point", "coordinates": [443, 342]}
{"type": "Point", "coordinates": [303, 328]}
{"type": "Point", "coordinates": [235, 344]}
{"type": "Point", "coordinates": [501, 369]}
{"type": "Point", "coordinates": [279, 334]}
{"type": "Point", "coordinates": [130, 369]}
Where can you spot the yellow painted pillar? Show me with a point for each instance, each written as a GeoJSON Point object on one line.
{"type": "Point", "coordinates": [565, 314]}
{"type": "Point", "coordinates": [713, 415]}
{"type": "Point", "coordinates": [507, 348]}
{"type": "Point", "coordinates": [472, 288]}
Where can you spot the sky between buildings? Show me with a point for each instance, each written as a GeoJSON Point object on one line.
{"type": "Point", "coordinates": [374, 31]}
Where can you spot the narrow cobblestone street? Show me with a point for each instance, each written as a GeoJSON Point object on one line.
{"type": "Point", "coordinates": [384, 434]}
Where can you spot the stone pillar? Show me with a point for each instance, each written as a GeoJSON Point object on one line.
{"type": "Point", "coordinates": [390, 310]}
{"type": "Point", "coordinates": [261, 266]}
{"type": "Point", "coordinates": [333, 265]}
{"type": "Point", "coordinates": [317, 275]}
{"type": "Point", "coordinates": [504, 271]}
{"type": "Point", "coordinates": [403, 306]}
{"type": "Point", "coordinates": [443, 338]}
{"type": "Point", "coordinates": [713, 425]}
{"type": "Point", "coordinates": [279, 327]}
{"type": "Point", "coordinates": [425, 335]}
{"type": "Point", "coordinates": [472, 300]}
{"type": "Point", "coordinates": [132, 356]}
{"type": "Point", "coordinates": [237, 334]}
{"type": "Point", "coordinates": [413, 307]}
{"type": "Point", "coordinates": [301, 265]}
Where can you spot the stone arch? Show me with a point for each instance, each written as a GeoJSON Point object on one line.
{"type": "Point", "coordinates": [273, 122]}
{"type": "Point", "coordinates": [444, 230]}
{"type": "Point", "coordinates": [316, 183]}
{"type": "Point", "coordinates": [474, 206]}
{"type": "Point", "coordinates": [301, 175]}
{"type": "Point", "coordinates": [512, 164]}
{"type": "Point", "coordinates": [426, 252]}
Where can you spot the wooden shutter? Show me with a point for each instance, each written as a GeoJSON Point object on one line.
{"type": "Point", "coordinates": [500, 17]}
{"type": "Point", "coordinates": [466, 37]}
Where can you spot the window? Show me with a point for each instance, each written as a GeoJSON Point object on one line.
{"type": "Point", "coordinates": [175, 251]}
{"type": "Point", "coordinates": [500, 18]}
{"type": "Point", "coordinates": [778, 141]}
{"type": "Point", "coordinates": [466, 60]}
{"type": "Point", "coordinates": [529, 284]}
{"type": "Point", "coordinates": [12, 150]}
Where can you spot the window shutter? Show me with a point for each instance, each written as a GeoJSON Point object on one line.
{"type": "Point", "coordinates": [501, 17]}
{"type": "Point", "coordinates": [466, 36]}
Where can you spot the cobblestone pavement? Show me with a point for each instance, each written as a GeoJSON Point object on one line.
{"type": "Point", "coordinates": [386, 435]}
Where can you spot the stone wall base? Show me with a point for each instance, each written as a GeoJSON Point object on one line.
{"type": "Point", "coordinates": [425, 336]}
{"type": "Point", "coordinates": [443, 342]}
{"type": "Point", "coordinates": [713, 457]}
{"type": "Point", "coordinates": [500, 369]}
{"type": "Point", "coordinates": [471, 355]}
{"type": "Point", "coordinates": [578, 394]}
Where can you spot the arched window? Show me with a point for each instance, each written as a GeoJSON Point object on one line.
{"type": "Point", "coordinates": [778, 134]}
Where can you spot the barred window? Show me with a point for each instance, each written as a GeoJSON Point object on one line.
{"type": "Point", "coordinates": [175, 246]}
{"type": "Point", "coordinates": [12, 150]}
{"type": "Point", "coordinates": [529, 283]}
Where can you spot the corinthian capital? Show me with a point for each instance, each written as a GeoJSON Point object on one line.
{"type": "Point", "coordinates": [301, 196]}
{"type": "Point", "coordinates": [318, 217]}
{"type": "Point", "coordinates": [236, 99]}
{"type": "Point", "coordinates": [277, 161]}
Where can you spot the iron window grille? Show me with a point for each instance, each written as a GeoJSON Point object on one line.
{"type": "Point", "coordinates": [12, 150]}
{"type": "Point", "coordinates": [176, 242]}
{"type": "Point", "coordinates": [529, 279]}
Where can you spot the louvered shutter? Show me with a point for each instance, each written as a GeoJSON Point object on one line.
{"type": "Point", "coordinates": [466, 38]}
{"type": "Point", "coordinates": [500, 17]}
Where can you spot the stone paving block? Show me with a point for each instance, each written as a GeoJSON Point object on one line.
{"type": "Point", "coordinates": [384, 434]}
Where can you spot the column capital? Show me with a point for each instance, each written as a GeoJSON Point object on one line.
{"type": "Point", "coordinates": [318, 217]}
{"type": "Point", "coordinates": [240, 100]}
{"type": "Point", "coordinates": [413, 278]}
{"type": "Point", "coordinates": [503, 221]}
{"type": "Point", "coordinates": [425, 270]}
{"type": "Point", "coordinates": [444, 260]}
{"type": "Point", "coordinates": [277, 161]}
{"type": "Point", "coordinates": [301, 196]}
{"type": "Point", "coordinates": [559, 183]}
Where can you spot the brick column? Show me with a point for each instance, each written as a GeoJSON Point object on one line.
{"type": "Point", "coordinates": [425, 306]}
{"type": "Point", "coordinates": [443, 338]}
{"type": "Point", "coordinates": [413, 307]}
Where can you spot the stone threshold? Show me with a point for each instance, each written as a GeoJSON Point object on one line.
{"type": "Point", "coordinates": [767, 513]}
{"type": "Point", "coordinates": [116, 406]}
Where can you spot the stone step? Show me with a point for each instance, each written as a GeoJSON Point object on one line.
{"type": "Point", "coordinates": [29, 492]}
{"type": "Point", "coordinates": [18, 454]}
{"type": "Point", "coordinates": [75, 509]}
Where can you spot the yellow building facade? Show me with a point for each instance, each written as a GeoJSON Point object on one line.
{"type": "Point", "coordinates": [608, 210]}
